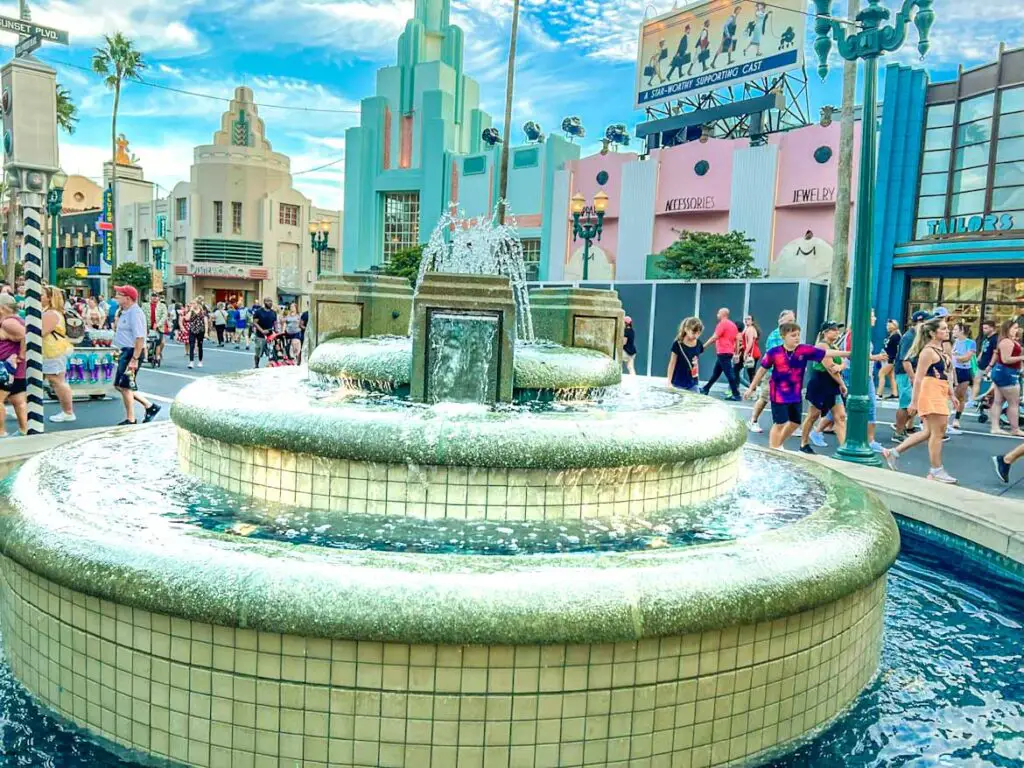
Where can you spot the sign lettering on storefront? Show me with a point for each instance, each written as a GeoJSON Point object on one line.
{"type": "Point", "coordinates": [218, 270]}
{"type": "Point", "coordinates": [109, 236]}
{"type": "Point", "coordinates": [705, 203]}
{"type": "Point", "coordinates": [990, 222]}
{"type": "Point", "coordinates": [814, 195]}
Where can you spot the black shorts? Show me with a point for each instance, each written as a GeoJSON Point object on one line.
{"type": "Point", "coordinates": [783, 413]}
{"type": "Point", "coordinates": [822, 391]}
{"type": "Point", "coordinates": [121, 379]}
{"type": "Point", "coordinates": [964, 376]}
{"type": "Point", "coordinates": [15, 386]}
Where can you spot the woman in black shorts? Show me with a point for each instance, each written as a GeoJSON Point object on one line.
{"type": "Point", "coordinates": [888, 369]}
{"type": "Point", "coordinates": [825, 389]}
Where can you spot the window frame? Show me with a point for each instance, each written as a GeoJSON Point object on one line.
{"type": "Point", "coordinates": [290, 220]}
{"type": "Point", "coordinates": [218, 217]}
{"type": "Point", "coordinates": [404, 232]}
{"type": "Point", "coordinates": [236, 217]}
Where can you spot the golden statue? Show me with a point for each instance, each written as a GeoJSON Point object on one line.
{"type": "Point", "coordinates": [122, 157]}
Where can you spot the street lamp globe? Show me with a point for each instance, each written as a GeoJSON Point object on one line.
{"type": "Point", "coordinates": [600, 202]}
{"type": "Point", "coordinates": [59, 179]}
{"type": "Point", "coordinates": [578, 203]}
{"type": "Point", "coordinates": [313, 227]}
{"type": "Point", "coordinates": [325, 225]}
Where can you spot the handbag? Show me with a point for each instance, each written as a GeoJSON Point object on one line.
{"type": "Point", "coordinates": [648, 71]}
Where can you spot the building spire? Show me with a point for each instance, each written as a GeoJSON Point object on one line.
{"type": "Point", "coordinates": [434, 14]}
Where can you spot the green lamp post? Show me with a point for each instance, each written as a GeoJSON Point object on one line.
{"type": "Point", "coordinates": [54, 203]}
{"type": "Point", "coordinates": [319, 232]}
{"type": "Point", "coordinates": [587, 225]}
{"type": "Point", "coordinates": [868, 43]}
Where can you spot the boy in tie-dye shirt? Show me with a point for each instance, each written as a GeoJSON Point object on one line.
{"type": "Point", "coordinates": [787, 365]}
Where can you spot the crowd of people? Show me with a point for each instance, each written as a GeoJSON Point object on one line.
{"type": "Point", "coordinates": [934, 368]}
{"type": "Point", "coordinates": [136, 331]}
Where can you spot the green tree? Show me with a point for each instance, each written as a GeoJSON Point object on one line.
{"type": "Point", "coordinates": [130, 273]}
{"type": "Point", "coordinates": [117, 60]}
{"type": "Point", "coordinates": [66, 277]}
{"type": "Point", "coordinates": [709, 256]}
{"type": "Point", "coordinates": [67, 112]}
{"type": "Point", "coordinates": [405, 263]}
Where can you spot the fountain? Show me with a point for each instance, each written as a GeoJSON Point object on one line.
{"type": "Point", "coordinates": [461, 546]}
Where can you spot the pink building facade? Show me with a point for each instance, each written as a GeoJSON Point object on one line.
{"type": "Point", "coordinates": [774, 193]}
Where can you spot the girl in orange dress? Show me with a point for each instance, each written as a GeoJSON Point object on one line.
{"type": "Point", "coordinates": [931, 398]}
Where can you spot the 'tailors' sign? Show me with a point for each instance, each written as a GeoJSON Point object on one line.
{"type": "Point", "coordinates": [990, 222]}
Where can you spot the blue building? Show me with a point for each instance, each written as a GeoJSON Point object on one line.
{"type": "Point", "coordinates": [949, 208]}
{"type": "Point", "coordinates": [419, 148]}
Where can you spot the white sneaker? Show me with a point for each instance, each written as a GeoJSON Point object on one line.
{"type": "Point", "coordinates": [942, 476]}
{"type": "Point", "coordinates": [876, 446]}
{"type": "Point", "coordinates": [818, 439]}
{"type": "Point", "coordinates": [190, 365]}
{"type": "Point", "coordinates": [951, 430]}
{"type": "Point", "coordinates": [891, 458]}
{"type": "Point", "coordinates": [200, 363]}
{"type": "Point", "coordinates": [59, 418]}
{"type": "Point", "coordinates": [754, 427]}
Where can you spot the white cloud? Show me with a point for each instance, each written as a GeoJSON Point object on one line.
{"type": "Point", "coordinates": [154, 25]}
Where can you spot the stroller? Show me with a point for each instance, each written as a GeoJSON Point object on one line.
{"type": "Point", "coordinates": [277, 351]}
{"type": "Point", "coordinates": [985, 395]}
{"type": "Point", "coordinates": [152, 345]}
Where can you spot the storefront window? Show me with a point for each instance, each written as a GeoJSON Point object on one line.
{"type": "Point", "coordinates": [401, 222]}
{"type": "Point", "coordinates": [935, 161]}
{"type": "Point", "coordinates": [940, 115]}
{"type": "Point", "coordinates": [971, 179]}
{"type": "Point", "coordinates": [934, 183]}
{"type": "Point", "coordinates": [968, 157]}
{"type": "Point", "coordinates": [1011, 125]}
{"type": "Point", "coordinates": [1008, 174]}
{"type": "Point", "coordinates": [1005, 289]}
{"type": "Point", "coordinates": [972, 133]}
{"type": "Point", "coordinates": [938, 138]}
{"type": "Point", "coordinates": [1012, 100]}
{"type": "Point", "coordinates": [976, 108]}
{"type": "Point", "coordinates": [962, 289]}
{"type": "Point", "coordinates": [1010, 149]}
{"type": "Point", "coordinates": [1006, 198]}
{"type": "Point", "coordinates": [932, 207]}
{"type": "Point", "coordinates": [969, 300]}
{"type": "Point", "coordinates": [968, 203]}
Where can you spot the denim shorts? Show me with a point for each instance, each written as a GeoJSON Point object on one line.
{"type": "Point", "coordinates": [906, 388]}
{"type": "Point", "coordinates": [1002, 376]}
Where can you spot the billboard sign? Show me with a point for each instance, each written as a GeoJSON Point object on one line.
{"type": "Point", "coordinates": [715, 44]}
{"type": "Point", "coordinates": [109, 236]}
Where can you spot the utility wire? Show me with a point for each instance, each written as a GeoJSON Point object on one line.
{"type": "Point", "coordinates": [185, 92]}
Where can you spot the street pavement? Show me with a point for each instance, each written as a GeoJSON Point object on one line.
{"type": "Point", "coordinates": [967, 457]}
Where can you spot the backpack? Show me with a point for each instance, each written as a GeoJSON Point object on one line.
{"type": "Point", "coordinates": [74, 325]}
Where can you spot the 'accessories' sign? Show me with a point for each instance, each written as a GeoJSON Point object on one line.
{"type": "Point", "coordinates": [990, 222]}
{"type": "Point", "coordinates": [677, 204]}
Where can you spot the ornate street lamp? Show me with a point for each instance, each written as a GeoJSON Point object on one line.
{"type": "Point", "coordinates": [319, 231]}
{"type": "Point", "coordinates": [870, 42]}
{"type": "Point", "coordinates": [54, 204]}
{"type": "Point", "coordinates": [588, 224]}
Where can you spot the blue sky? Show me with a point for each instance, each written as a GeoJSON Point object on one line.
{"type": "Point", "coordinates": [575, 57]}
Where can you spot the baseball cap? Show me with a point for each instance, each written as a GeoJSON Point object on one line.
{"type": "Point", "coordinates": [127, 290]}
{"type": "Point", "coordinates": [919, 316]}
{"type": "Point", "coordinates": [627, 319]}
{"type": "Point", "coordinates": [940, 312]}
{"type": "Point", "coordinates": [831, 325]}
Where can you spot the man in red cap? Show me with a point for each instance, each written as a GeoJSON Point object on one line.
{"type": "Point", "coordinates": [130, 338]}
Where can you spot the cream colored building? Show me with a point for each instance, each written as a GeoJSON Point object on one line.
{"type": "Point", "coordinates": [237, 230]}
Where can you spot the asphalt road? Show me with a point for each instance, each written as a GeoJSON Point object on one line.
{"type": "Point", "coordinates": [967, 457]}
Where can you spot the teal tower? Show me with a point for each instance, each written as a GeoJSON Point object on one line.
{"type": "Point", "coordinates": [398, 160]}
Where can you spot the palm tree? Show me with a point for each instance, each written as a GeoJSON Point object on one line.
{"type": "Point", "coordinates": [503, 172]}
{"type": "Point", "coordinates": [118, 60]}
{"type": "Point", "coordinates": [67, 112]}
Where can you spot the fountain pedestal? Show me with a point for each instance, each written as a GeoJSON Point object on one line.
{"type": "Point", "coordinates": [579, 317]}
{"type": "Point", "coordinates": [356, 306]}
{"type": "Point", "coordinates": [464, 333]}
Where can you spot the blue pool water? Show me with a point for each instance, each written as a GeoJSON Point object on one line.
{"type": "Point", "coordinates": [950, 691]}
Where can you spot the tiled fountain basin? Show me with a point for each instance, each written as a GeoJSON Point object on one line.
{"type": "Point", "coordinates": [215, 650]}
{"type": "Point", "coordinates": [396, 458]}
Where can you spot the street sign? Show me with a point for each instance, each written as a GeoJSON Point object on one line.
{"type": "Point", "coordinates": [31, 29]}
{"type": "Point", "coordinates": [27, 45]}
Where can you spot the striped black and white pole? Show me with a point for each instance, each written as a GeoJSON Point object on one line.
{"type": "Point", "coordinates": [32, 257]}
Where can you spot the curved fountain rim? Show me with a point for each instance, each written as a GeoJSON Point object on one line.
{"type": "Point", "coordinates": [464, 437]}
{"type": "Point", "coordinates": [459, 599]}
